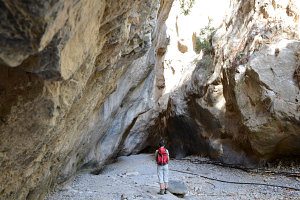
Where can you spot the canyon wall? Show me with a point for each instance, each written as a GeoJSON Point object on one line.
{"type": "Point", "coordinates": [75, 77]}
{"type": "Point", "coordinates": [82, 82]}
{"type": "Point", "coordinates": [240, 102]}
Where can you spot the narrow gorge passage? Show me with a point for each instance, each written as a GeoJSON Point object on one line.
{"type": "Point", "coordinates": [134, 177]}
{"type": "Point", "coordinates": [84, 83]}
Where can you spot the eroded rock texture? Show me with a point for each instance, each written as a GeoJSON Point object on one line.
{"type": "Point", "coordinates": [241, 103]}
{"type": "Point", "coordinates": [258, 58]}
{"type": "Point", "coordinates": [85, 81]}
{"type": "Point", "coordinates": [75, 77]}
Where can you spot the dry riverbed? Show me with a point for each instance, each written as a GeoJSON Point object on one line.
{"type": "Point", "coordinates": [134, 177]}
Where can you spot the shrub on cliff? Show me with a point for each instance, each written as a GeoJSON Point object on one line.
{"type": "Point", "coordinates": [186, 6]}
{"type": "Point", "coordinates": [203, 41]}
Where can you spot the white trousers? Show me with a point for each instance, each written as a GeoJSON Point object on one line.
{"type": "Point", "coordinates": [163, 173]}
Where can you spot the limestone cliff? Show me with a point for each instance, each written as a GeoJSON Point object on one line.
{"type": "Point", "coordinates": [262, 109]}
{"type": "Point", "coordinates": [82, 82]}
{"type": "Point", "coordinates": [239, 104]}
{"type": "Point", "coordinates": [75, 76]}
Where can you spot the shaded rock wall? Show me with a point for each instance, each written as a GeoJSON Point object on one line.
{"type": "Point", "coordinates": [75, 76]}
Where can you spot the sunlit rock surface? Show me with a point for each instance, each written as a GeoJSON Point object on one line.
{"type": "Point", "coordinates": [241, 104]}
{"type": "Point", "coordinates": [258, 53]}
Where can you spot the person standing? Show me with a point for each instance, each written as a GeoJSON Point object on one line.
{"type": "Point", "coordinates": [162, 158]}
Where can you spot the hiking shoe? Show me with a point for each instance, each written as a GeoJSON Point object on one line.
{"type": "Point", "coordinates": [166, 190]}
{"type": "Point", "coordinates": [161, 192]}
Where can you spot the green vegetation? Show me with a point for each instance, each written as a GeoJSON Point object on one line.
{"type": "Point", "coordinates": [203, 41]}
{"type": "Point", "coordinates": [240, 54]}
{"type": "Point", "coordinates": [80, 162]}
{"type": "Point", "coordinates": [186, 6]}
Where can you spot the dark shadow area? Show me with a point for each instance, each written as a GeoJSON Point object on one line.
{"type": "Point", "coordinates": [16, 83]}
{"type": "Point", "coordinates": [184, 138]}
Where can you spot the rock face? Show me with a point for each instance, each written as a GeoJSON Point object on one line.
{"type": "Point", "coordinates": [262, 108]}
{"type": "Point", "coordinates": [75, 77]}
{"type": "Point", "coordinates": [85, 81]}
{"type": "Point", "coordinates": [239, 104]}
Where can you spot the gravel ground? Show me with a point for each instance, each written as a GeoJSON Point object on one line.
{"type": "Point", "coordinates": [134, 177]}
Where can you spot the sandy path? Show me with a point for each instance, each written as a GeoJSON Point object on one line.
{"type": "Point", "coordinates": [134, 177]}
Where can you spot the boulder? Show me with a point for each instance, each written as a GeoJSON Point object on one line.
{"type": "Point", "coordinates": [177, 187]}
